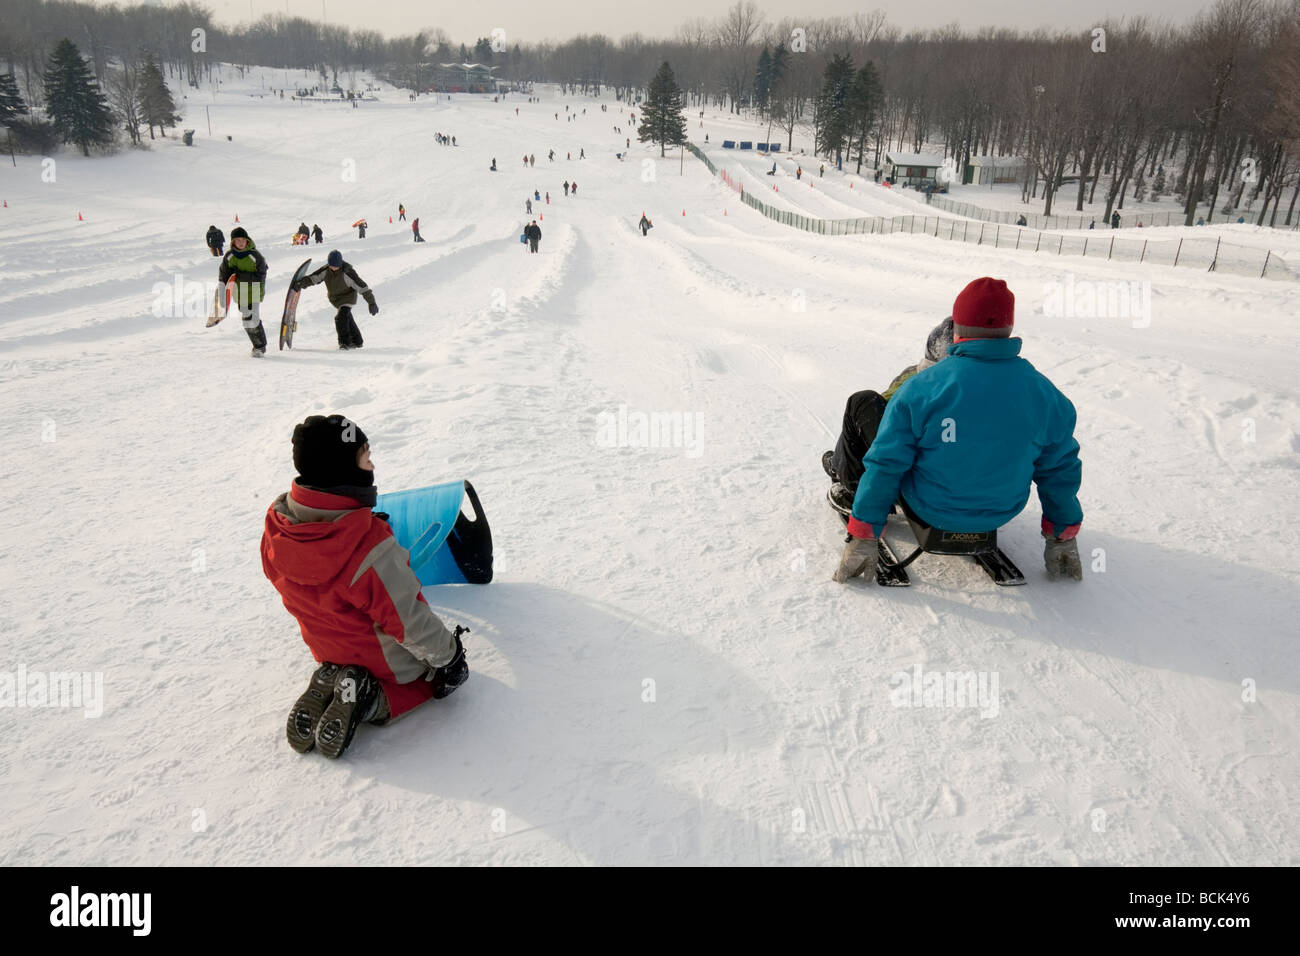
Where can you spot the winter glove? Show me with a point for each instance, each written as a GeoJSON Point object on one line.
{"type": "Point", "coordinates": [374, 308]}
{"type": "Point", "coordinates": [455, 672]}
{"type": "Point", "coordinates": [1062, 559]}
{"type": "Point", "coordinates": [859, 555]}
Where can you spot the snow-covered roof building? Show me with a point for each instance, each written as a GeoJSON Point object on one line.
{"type": "Point", "coordinates": [910, 168]}
{"type": "Point", "coordinates": [987, 170]}
{"type": "Point", "coordinates": [464, 78]}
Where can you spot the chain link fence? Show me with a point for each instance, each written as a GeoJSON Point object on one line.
{"type": "Point", "coordinates": [1210, 254]}
{"type": "Point", "coordinates": [1128, 217]}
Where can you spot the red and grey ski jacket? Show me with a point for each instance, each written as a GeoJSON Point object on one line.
{"type": "Point", "coordinates": [349, 584]}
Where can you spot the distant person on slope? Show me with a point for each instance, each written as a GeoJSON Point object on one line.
{"type": "Point", "coordinates": [534, 234]}
{"type": "Point", "coordinates": [341, 287]}
{"type": "Point", "coordinates": [304, 232]}
{"type": "Point", "coordinates": [341, 574]}
{"type": "Point", "coordinates": [528, 206]}
{"type": "Point", "coordinates": [246, 264]}
{"type": "Point", "coordinates": [401, 210]}
{"type": "Point", "coordinates": [317, 234]}
{"type": "Point", "coordinates": [415, 229]}
{"type": "Point", "coordinates": [216, 240]}
{"type": "Point", "coordinates": [961, 442]}
{"type": "Point", "coordinates": [644, 225]}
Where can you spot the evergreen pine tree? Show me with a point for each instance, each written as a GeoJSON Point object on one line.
{"type": "Point", "coordinates": [11, 101]}
{"type": "Point", "coordinates": [1158, 187]}
{"type": "Point", "coordinates": [763, 78]}
{"type": "Point", "coordinates": [662, 121]}
{"type": "Point", "coordinates": [865, 99]}
{"type": "Point", "coordinates": [74, 101]}
{"type": "Point", "coordinates": [832, 112]}
{"type": "Point", "coordinates": [157, 108]}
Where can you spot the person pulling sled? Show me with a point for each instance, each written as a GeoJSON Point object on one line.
{"type": "Point", "coordinates": [247, 265]}
{"type": "Point", "coordinates": [216, 240]}
{"type": "Point", "coordinates": [342, 284]}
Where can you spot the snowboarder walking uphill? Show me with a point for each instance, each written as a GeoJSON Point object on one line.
{"type": "Point", "coordinates": [415, 229]}
{"type": "Point", "coordinates": [246, 264]}
{"type": "Point", "coordinates": [534, 234]}
{"type": "Point", "coordinates": [960, 441]}
{"type": "Point", "coordinates": [341, 286]}
{"type": "Point", "coordinates": [215, 239]}
{"type": "Point", "coordinates": [644, 225]}
{"type": "Point", "coordinates": [317, 234]}
{"type": "Point", "coordinates": [341, 573]}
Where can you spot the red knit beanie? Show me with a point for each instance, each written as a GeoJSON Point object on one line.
{"type": "Point", "coordinates": [985, 309]}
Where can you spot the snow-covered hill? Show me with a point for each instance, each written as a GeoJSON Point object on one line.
{"type": "Point", "coordinates": [663, 671]}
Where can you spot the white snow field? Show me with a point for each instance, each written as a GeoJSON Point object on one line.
{"type": "Point", "coordinates": [663, 671]}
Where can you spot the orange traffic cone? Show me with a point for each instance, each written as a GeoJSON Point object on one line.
{"type": "Point", "coordinates": [390, 220]}
{"type": "Point", "coordinates": [850, 185]}
{"type": "Point", "coordinates": [236, 217]}
{"type": "Point", "coordinates": [541, 217]}
{"type": "Point", "coordinates": [683, 212]}
{"type": "Point", "coordinates": [6, 203]}
{"type": "Point", "coordinates": [79, 219]}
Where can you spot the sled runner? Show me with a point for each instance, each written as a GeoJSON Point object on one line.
{"type": "Point", "coordinates": [980, 545]}
{"type": "Point", "coordinates": [891, 571]}
{"type": "Point", "coordinates": [447, 546]}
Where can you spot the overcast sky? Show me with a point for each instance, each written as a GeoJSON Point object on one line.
{"type": "Point", "coordinates": [533, 20]}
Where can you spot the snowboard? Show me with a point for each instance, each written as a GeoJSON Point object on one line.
{"type": "Point", "coordinates": [218, 313]}
{"type": "Point", "coordinates": [446, 546]}
{"type": "Point", "coordinates": [289, 318]}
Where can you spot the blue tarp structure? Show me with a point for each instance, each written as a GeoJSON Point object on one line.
{"type": "Point", "coordinates": [728, 144]}
{"type": "Point", "coordinates": [446, 546]}
{"type": "Point", "coordinates": [746, 144]}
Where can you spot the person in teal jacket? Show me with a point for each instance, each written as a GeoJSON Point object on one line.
{"type": "Point", "coordinates": [962, 440]}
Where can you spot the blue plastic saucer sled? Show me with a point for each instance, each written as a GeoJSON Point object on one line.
{"type": "Point", "coordinates": [446, 546]}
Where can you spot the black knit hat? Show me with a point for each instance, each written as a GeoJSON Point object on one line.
{"type": "Point", "coordinates": [325, 452]}
{"type": "Point", "coordinates": [238, 233]}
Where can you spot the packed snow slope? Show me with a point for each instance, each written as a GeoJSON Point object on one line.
{"type": "Point", "coordinates": [662, 671]}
